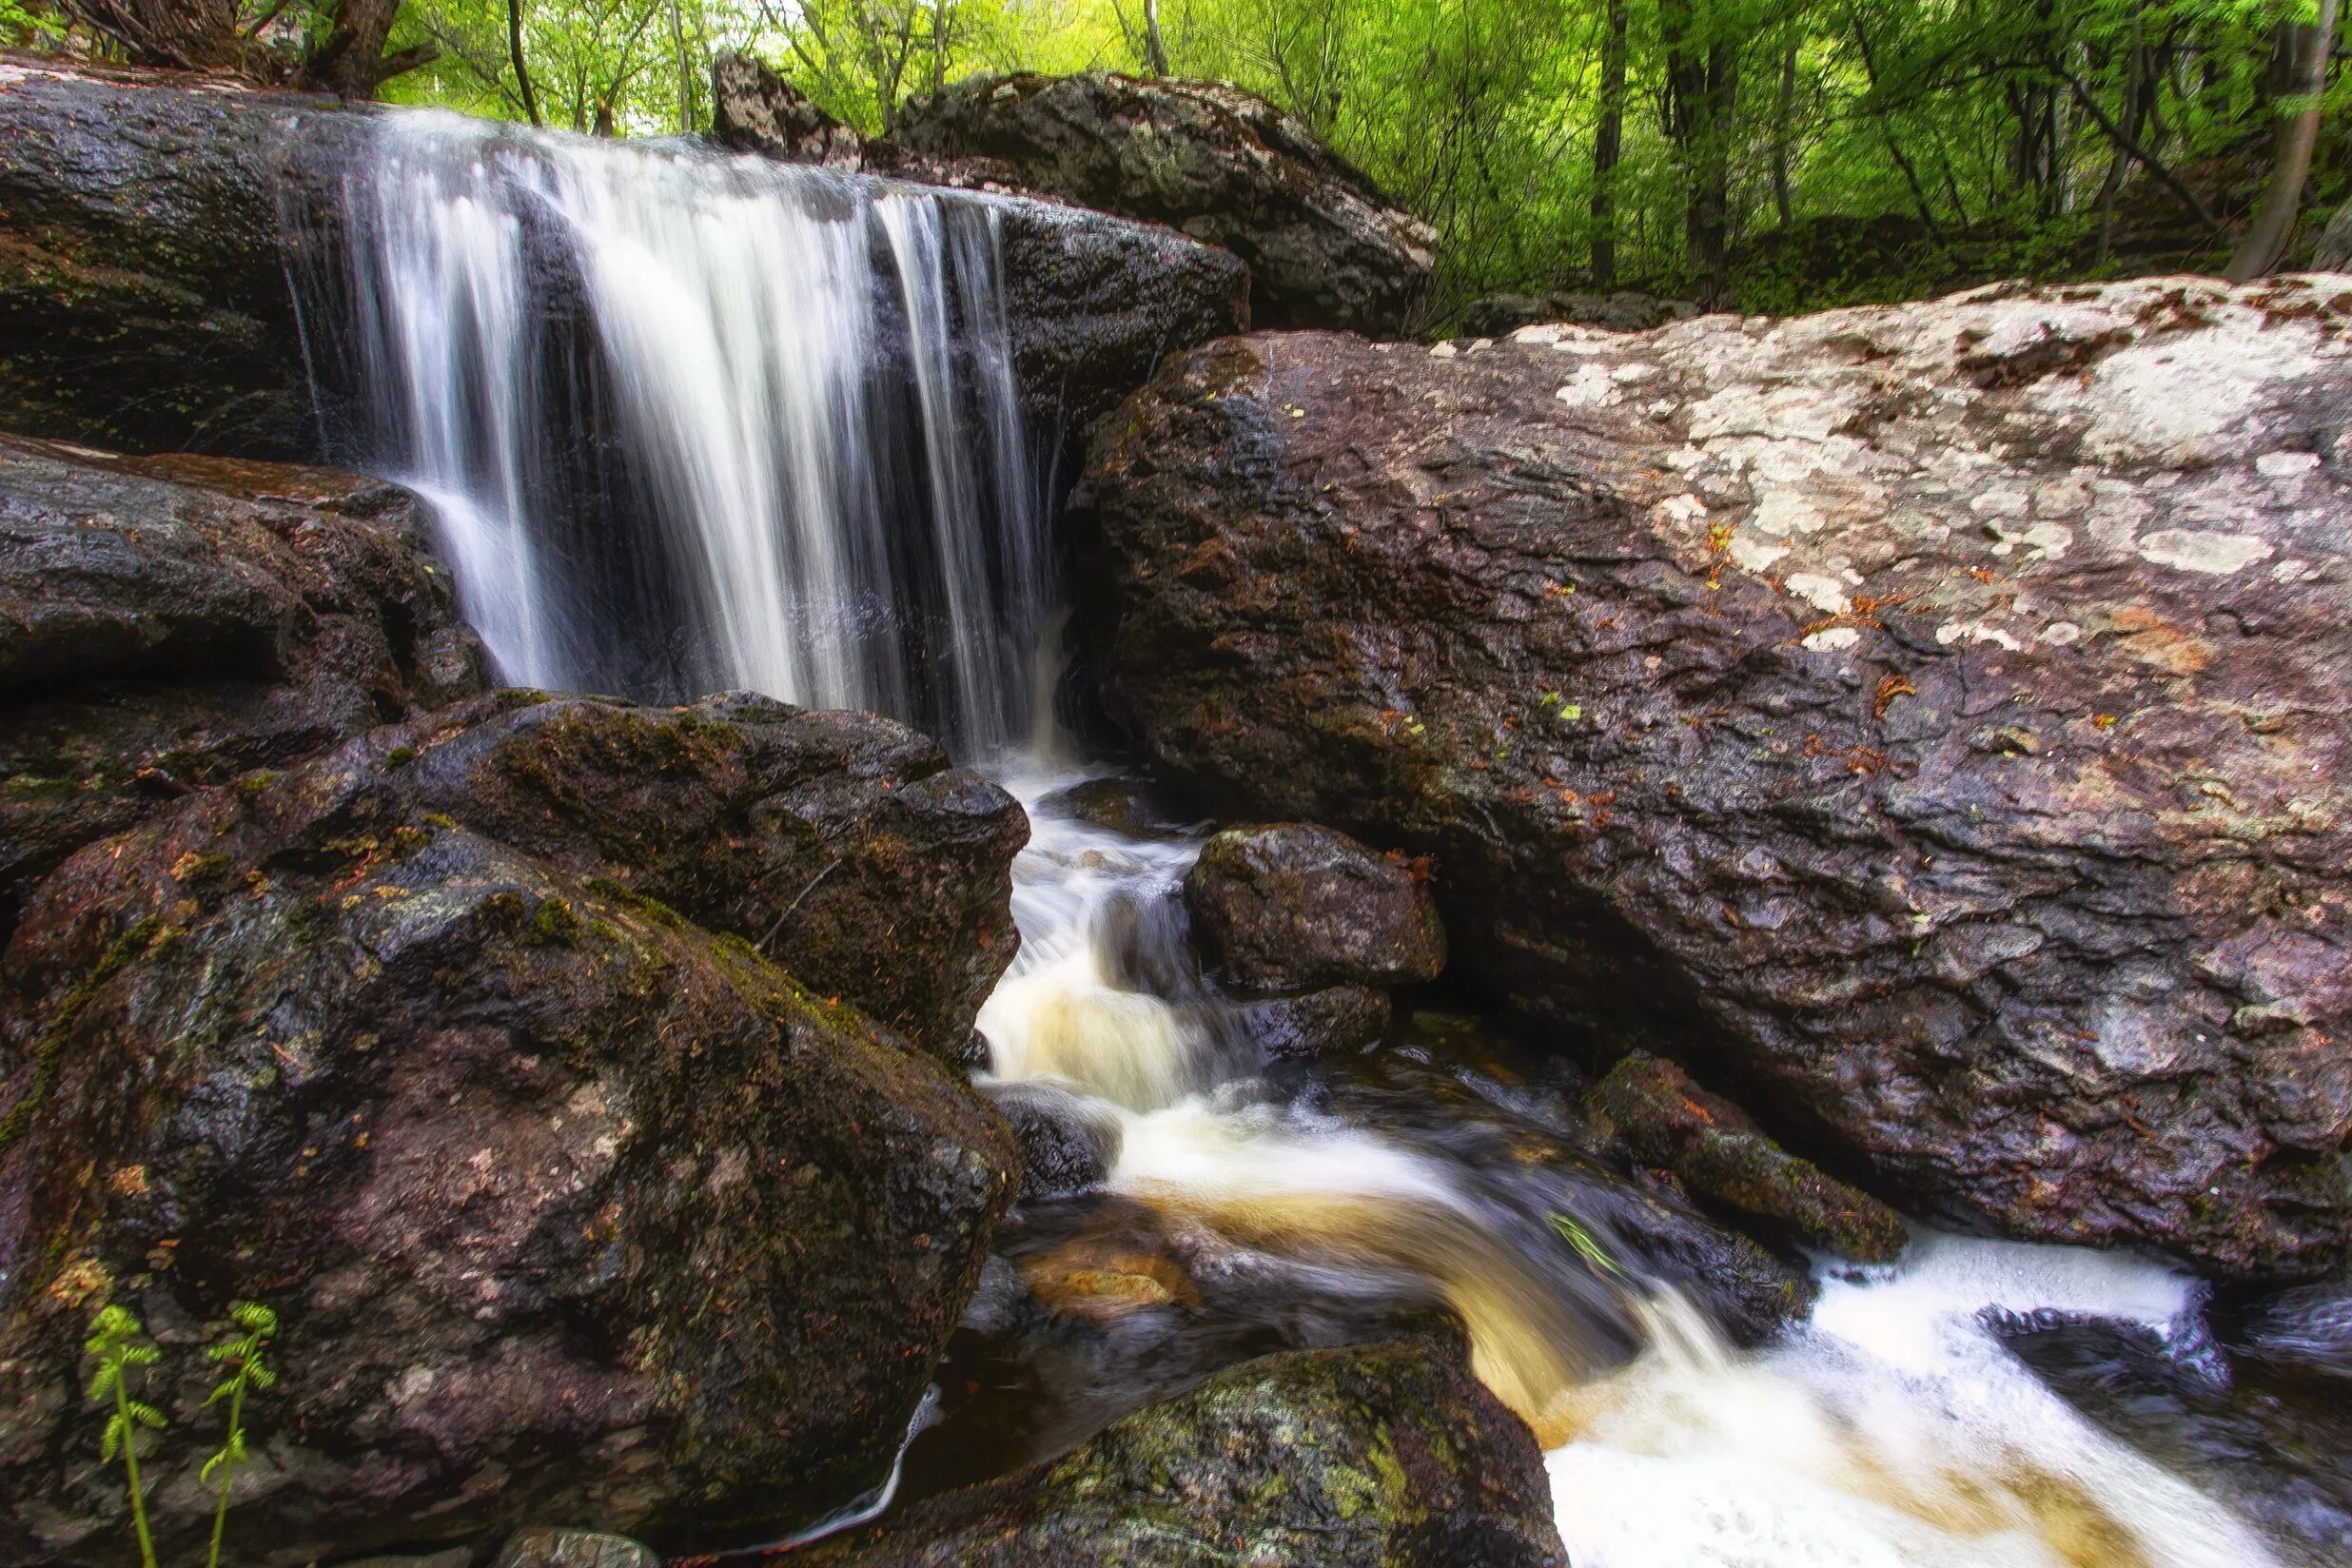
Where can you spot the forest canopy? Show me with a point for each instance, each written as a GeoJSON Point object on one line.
{"type": "Point", "coordinates": [1769, 153]}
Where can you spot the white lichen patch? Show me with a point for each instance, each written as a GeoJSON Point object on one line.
{"type": "Point", "coordinates": [1833, 639]}
{"type": "Point", "coordinates": [1976, 631]}
{"type": "Point", "coordinates": [1444, 351]}
{"type": "Point", "coordinates": [2285, 465]}
{"type": "Point", "coordinates": [2062, 633]}
{"type": "Point", "coordinates": [1781, 513]}
{"type": "Point", "coordinates": [1590, 388]}
{"type": "Point", "coordinates": [1752, 555]}
{"type": "Point", "coordinates": [1825, 595]}
{"type": "Point", "coordinates": [2193, 550]}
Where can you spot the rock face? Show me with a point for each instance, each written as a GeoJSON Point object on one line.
{"type": "Point", "coordinates": [143, 301]}
{"type": "Point", "coordinates": [753, 110]}
{"type": "Point", "coordinates": [1293, 906]}
{"type": "Point", "coordinates": [1493, 315]}
{"type": "Point", "coordinates": [1929, 712]}
{"type": "Point", "coordinates": [1390, 1456]}
{"type": "Point", "coordinates": [571, 1208]}
{"type": "Point", "coordinates": [168, 624]}
{"type": "Point", "coordinates": [1324, 247]}
{"type": "Point", "coordinates": [1648, 1111]}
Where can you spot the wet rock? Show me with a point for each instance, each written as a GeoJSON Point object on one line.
{"type": "Point", "coordinates": [144, 299]}
{"type": "Point", "coordinates": [167, 625]}
{"type": "Point", "coordinates": [838, 844]}
{"type": "Point", "coordinates": [1294, 906]}
{"type": "Point", "coordinates": [545, 1548]}
{"type": "Point", "coordinates": [1497, 315]}
{"type": "Point", "coordinates": [1067, 1144]}
{"type": "Point", "coordinates": [1126, 805]}
{"type": "Point", "coordinates": [1334, 1021]}
{"type": "Point", "coordinates": [1921, 711]}
{"type": "Point", "coordinates": [1649, 1111]}
{"type": "Point", "coordinates": [1388, 1454]}
{"type": "Point", "coordinates": [570, 1208]}
{"type": "Point", "coordinates": [2309, 1329]}
{"type": "Point", "coordinates": [1324, 247]}
{"type": "Point", "coordinates": [457, 1556]}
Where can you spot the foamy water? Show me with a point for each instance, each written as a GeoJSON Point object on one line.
{"type": "Point", "coordinates": [1891, 1429]}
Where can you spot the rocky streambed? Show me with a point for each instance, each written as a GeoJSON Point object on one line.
{"type": "Point", "coordinates": [1625, 842]}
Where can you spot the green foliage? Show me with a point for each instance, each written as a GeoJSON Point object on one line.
{"type": "Point", "coordinates": [115, 1337]}
{"type": "Point", "coordinates": [1587, 1246]}
{"type": "Point", "coordinates": [246, 1356]}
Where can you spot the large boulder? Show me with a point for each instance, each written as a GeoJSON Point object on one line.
{"type": "Point", "coordinates": [144, 254]}
{"type": "Point", "coordinates": [167, 625]}
{"type": "Point", "coordinates": [1386, 1455]}
{"type": "Point", "coordinates": [570, 1208]}
{"type": "Point", "coordinates": [1928, 713]}
{"type": "Point", "coordinates": [1324, 247]}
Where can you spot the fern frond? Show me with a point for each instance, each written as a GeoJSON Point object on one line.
{"type": "Point", "coordinates": [147, 1416]}
{"type": "Point", "coordinates": [140, 1354]}
{"type": "Point", "coordinates": [254, 1315]}
{"type": "Point", "coordinates": [103, 1381]}
{"type": "Point", "coordinates": [110, 1441]}
{"type": "Point", "coordinates": [262, 1375]}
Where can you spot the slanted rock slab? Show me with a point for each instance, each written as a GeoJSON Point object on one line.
{"type": "Point", "coordinates": [1293, 906]}
{"type": "Point", "coordinates": [1927, 716]}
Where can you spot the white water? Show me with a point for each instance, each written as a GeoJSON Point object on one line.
{"type": "Point", "coordinates": [780, 370]}
{"type": "Point", "coordinates": [690, 420]}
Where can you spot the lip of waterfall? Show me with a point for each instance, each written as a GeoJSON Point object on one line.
{"type": "Point", "coordinates": [690, 420]}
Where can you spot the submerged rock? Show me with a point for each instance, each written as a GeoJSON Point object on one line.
{"type": "Point", "coordinates": [1388, 1456]}
{"type": "Point", "coordinates": [1324, 247]}
{"type": "Point", "coordinates": [1926, 712]}
{"type": "Point", "coordinates": [1068, 1143]}
{"type": "Point", "coordinates": [570, 1208]}
{"type": "Point", "coordinates": [540, 1547]}
{"type": "Point", "coordinates": [1648, 1110]}
{"type": "Point", "coordinates": [1293, 906]}
{"type": "Point", "coordinates": [1306, 1028]}
{"type": "Point", "coordinates": [168, 624]}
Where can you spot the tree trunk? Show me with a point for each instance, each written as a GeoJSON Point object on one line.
{"type": "Point", "coordinates": [2298, 66]}
{"type": "Point", "coordinates": [1608, 147]}
{"type": "Point", "coordinates": [351, 62]}
{"type": "Point", "coordinates": [1784, 117]}
{"type": "Point", "coordinates": [1155, 48]}
{"type": "Point", "coordinates": [1702, 89]}
{"type": "Point", "coordinates": [523, 70]}
{"type": "Point", "coordinates": [186, 34]}
{"type": "Point", "coordinates": [685, 75]}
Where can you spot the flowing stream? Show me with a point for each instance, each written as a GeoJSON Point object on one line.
{"type": "Point", "coordinates": [690, 422]}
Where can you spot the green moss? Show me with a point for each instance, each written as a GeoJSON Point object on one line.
{"type": "Point", "coordinates": [643, 905]}
{"type": "Point", "coordinates": [251, 787]}
{"type": "Point", "coordinates": [131, 944]}
{"type": "Point", "coordinates": [400, 756]}
{"type": "Point", "coordinates": [555, 924]}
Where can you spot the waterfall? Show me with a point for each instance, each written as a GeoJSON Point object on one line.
{"type": "Point", "coordinates": [689, 421]}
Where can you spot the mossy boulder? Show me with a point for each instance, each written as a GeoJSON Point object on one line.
{"type": "Point", "coordinates": [1383, 1456]}
{"type": "Point", "coordinates": [571, 1208]}
{"type": "Point", "coordinates": [1293, 906]}
{"type": "Point", "coordinates": [169, 624]}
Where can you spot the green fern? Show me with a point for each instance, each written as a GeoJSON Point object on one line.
{"type": "Point", "coordinates": [1587, 1246]}
{"type": "Point", "coordinates": [249, 1368]}
{"type": "Point", "coordinates": [113, 1336]}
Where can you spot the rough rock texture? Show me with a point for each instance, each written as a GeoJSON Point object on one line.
{"type": "Point", "coordinates": [571, 1208]}
{"type": "Point", "coordinates": [1932, 712]}
{"type": "Point", "coordinates": [1067, 1142]}
{"type": "Point", "coordinates": [1493, 315]}
{"type": "Point", "coordinates": [1324, 247]}
{"type": "Point", "coordinates": [143, 300]}
{"type": "Point", "coordinates": [540, 1547]}
{"type": "Point", "coordinates": [753, 110]}
{"type": "Point", "coordinates": [144, 293]}
{"type": "Point", "coordinates": [1388, 1456]}
{"type": "Point", "coordinates": [168, 624]}
{"type": "Point", "coordinates": [840, 845]}
{"type": "Point", "coordinates": [1292, 906]}
{"type": "Point", "coordinates": [1648, 1110]}
{"type": "Point", "coordinates": [1331, 1022]}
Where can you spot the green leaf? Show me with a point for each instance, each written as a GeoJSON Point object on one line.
{"type": "Point", "coordinates": [261, 1375]}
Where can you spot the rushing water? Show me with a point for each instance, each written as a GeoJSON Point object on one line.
{"type": "Point", "coordinates": [690, 422]}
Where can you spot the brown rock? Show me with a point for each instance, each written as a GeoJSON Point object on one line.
{"type": "Point", "coordinates": [1293, 906]}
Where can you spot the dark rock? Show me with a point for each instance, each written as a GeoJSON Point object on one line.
{"type": "Point", "coordinates": [1925, 713]}
{"type": "Point", "coordinates": [1389, 1455]}
{"type": "Point", "coordinates": [1649, 1111]}
{"type": "Point", "coordinates": [839, 844]}
{"type": "Point", "coordinates": [2307, 1328]}
{"type": "Point", "coordinates": [1497, 315]}
{"type": "Point", "coordinates": [1120, 805]}
{"type": "Point", "coordinates": [1067, 1145]}
{"type": "Point", "coordinates": [753, 110]}
{"type": "Point", "coordinates": [167, 625]}
{"type": "Point", "coordinates": [545, 1548]}
{"type": "Point", "coordinates": [570, 1208]}
{"type": "Point", "coordinates": [1293, 906]}
{"type": "Point", "coordinates": [1324, 247]}
{"type": "Point", "coordinates": [1332, 1022]}
{"type": "Point", "coordinates": [457, 1556]}
{"type": "Point", "coordinates": [143, 298]}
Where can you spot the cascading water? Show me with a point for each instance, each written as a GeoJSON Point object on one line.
{"type": "Point", "coordinates": [691, 422]}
